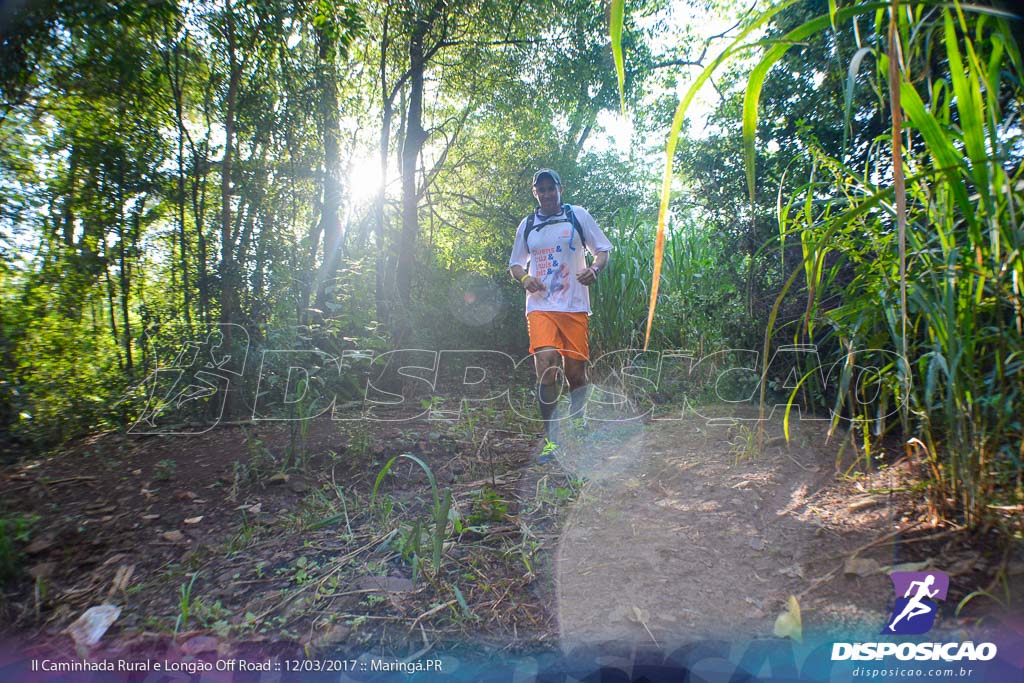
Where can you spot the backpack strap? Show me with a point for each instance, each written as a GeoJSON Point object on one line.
{"type": "Point", "coordinates": [532, 225]}
{"type": "Point", "coordinates": [575, 224]}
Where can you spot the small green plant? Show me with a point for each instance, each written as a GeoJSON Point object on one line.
{"type": "Point", "coordinates": [184, 605]}
{"type": "Point", "coordinates": [374, 599]}
{"type": "Point", "coordinates": [358, 440]}
{"type": "Point", "coordinates": [442, 505]}
{"type": "Point", "coordinates": [213, 616]}
{"type": "Point", "coordinates": [1005, 601]}
{"type": "Point", "coordinates": [245, 536]}
{"type": "Point", "coordinates": [486, 506]}
{"type": "Point", "coordinates": [13, 529]}
{"type": "Point", "coordinates": [432, 403]}
{"type": "Point", "coordinates": [556, 495]}
{"type": "Point", "coordinates": [744, 444]}
{"type": "Point", "coordinates": [303, 570]}
{"type": "Point", "coordinates": [165, 470]}
{"type": "Point", "coordinates": [339, 517]}
{"type": "Point", "coordinates": [318, 509]}
{"type": "Point", "coordinates": [466, 427]}
{"type": "Point", "coordinates": [260, 462]}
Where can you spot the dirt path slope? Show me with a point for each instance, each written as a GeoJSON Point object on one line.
{"type": "Point", "coordinates": [684, 532]}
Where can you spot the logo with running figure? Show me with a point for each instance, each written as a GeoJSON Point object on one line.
{"type": "Point", "coordinates": [916, 594]}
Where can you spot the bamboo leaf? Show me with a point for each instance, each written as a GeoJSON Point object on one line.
{"type": "Point", "coordinates": [618, 11]}
{"type": "Point", "coordinates": [778, 50]}
{"type": "Point", "coordinates": [792, 398]}
{"type": "Point", "coordinates": [851, 79]}
{"type": "Point", "coordinates": [969, 105]}
{"type": "Point", "coordinates": [946, 155]}
{"type": "Point", "coordinates": [673, 139]}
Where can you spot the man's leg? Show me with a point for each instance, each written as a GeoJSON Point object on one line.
{"type": "Point", "coordinates": [546, 361]}
{"type": "Point", "coordinates": [575, 328]}
{"type": "Point", "coordinates": [579, 387]}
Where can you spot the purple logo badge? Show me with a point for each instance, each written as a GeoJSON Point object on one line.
{"type": "Point", "coordinates": [916, 594]}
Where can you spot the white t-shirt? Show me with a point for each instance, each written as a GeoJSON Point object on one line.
{"type": "Point", "coordinates": [555, 254]}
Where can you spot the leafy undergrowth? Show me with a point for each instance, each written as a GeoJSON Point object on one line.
{"type": "Point", "coordinates": [398, 537]}
{"type": "Point", "coordinates": [384, 536]}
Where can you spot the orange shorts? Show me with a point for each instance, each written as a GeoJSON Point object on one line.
{"type": "Point", "coordinates": [566, 332]}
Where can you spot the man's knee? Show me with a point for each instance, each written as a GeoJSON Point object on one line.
{"type": "Point", "coordinates": [575, 372]}
{"type": "Point", "coordinates": [546, 360]}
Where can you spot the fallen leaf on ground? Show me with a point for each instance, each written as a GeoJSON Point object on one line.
{"type": "Point", "coordinates": [788, 624]}
{"type": "Point", "coordinates": [173, 536]}
{"type": "Point", "coordinates": [42, 570]}
{"type": "Point", "coordinates": [194, 520]}
{"type": "Point", "coordinates": [794, 571]}
{"type": "Point", "coordinates": [200, 644]}
{"type": "Point", "coordinates": [90, 627]}
{"type": "Point", "coordinates": [861, 566]}
{"type": "Point", "coordinates": [40, 544]}
{"type": "Point", "coordinates": [910, 567]}
{"type": "Point", "coordinates": [121, 578]}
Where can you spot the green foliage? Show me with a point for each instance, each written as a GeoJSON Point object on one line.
{"type": "Point", "coordinates": [697, 294]}
{"type": "Point", "coordinates": [960, 328]}
{"type": "Point", "coordinates": [14, 529]}
{"type": "Point", "coordinates": [440, 516]}
{"type": "Point", "coordinates": [487, 506]}
{"type": "Point", "coordinates": [957, 320]}
{"type": "Point", "coordinates": [165, 470]}
{"type": "Point", "coordinates": [57, 395]}
{"type": "Point", "coordinates": [185, 604]}
{"type": "Point", "coordinates": [961, 383]}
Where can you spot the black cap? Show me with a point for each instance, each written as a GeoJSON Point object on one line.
{"type": "Point", "coordinates": [555, 178]}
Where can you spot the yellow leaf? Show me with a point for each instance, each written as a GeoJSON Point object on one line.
{"type": "Point", "coordinates": [788, 624]}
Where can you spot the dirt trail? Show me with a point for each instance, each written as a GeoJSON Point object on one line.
{"type": "Point", "coordinates": [681, 533]}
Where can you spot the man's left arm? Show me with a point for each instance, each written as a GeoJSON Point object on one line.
{"type": "Point", "coordinates": [597, 244]}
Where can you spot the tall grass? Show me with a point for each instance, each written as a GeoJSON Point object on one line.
{"type": "Point", "coordinates": [691, 282]}
{"type": "Point", "coordinates": [927, 231]}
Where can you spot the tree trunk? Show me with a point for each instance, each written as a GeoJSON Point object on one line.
{"type": "Point", "coordinates": [415, 136]}
{"type": "Point", "coordinates": [330, 216]}
{"type": "Point", "coordinates": [227, 266]}
{"type": "Point", "coordinates": [199, 167]}
{"type": "Point", "coordinates": [113, 318]}
{"type": "Point", "coordinates": [385, 136]}
{"type": "Point", "coordinates": [176, 88]}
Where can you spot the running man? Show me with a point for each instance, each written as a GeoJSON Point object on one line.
{"type": "Point", "coordinates": [552, 243]}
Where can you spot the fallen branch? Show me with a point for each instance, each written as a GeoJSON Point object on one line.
{"type": "Point", "coordinates": [878, 541]}
{"type": "Point", "coordinates": [431, 612]}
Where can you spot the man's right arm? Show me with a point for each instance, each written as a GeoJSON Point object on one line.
{"type": "Point", "coordinates": [520, 257]}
